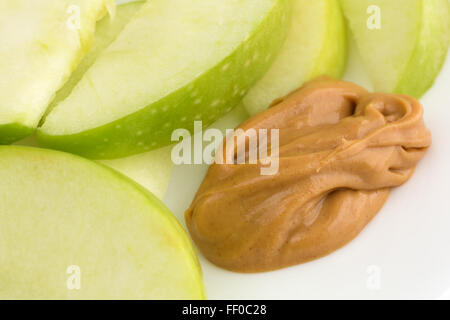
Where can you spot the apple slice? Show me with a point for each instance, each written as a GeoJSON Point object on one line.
{"type": "Point", "coordinates": [74, 229]}
{"type": "Point", "coordinates": [40, 44]}
{"type": "Point", "coordinates": [316, 45]}
{"type": "Point", "coordinates": [175, 62]}
{"type": "Point", "coordinates": [403, 43]}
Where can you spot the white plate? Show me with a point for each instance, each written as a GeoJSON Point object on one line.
{"type": "Point", "coordinates": [403, 253]}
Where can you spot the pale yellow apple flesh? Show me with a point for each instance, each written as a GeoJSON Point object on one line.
{"type": "Point", "coordinates": [106, 32]}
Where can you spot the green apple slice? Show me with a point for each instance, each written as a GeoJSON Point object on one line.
{"type": "Point", "coordinates": [403, 43]}
{"type": "Point", "coordinates": [316, 45]}
{"type": "Point", "coordinates": [175, 62]}
{"type": "Point", "coordinates": [40, 44]}
{"type": "Point", "coordinates": [73, 229]}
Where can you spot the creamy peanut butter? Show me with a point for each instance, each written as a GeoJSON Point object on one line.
{"type": "Point", "coordinates": [341, 150]}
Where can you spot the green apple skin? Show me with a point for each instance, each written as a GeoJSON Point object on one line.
{"type": "Point", "coordinates": [221, 88]}
{"type": "Point", "coordinates": [316, 45]}
{"type": "Point", "coordinates": [407, 53]}
{"type": "Point", "coordinates": [59, 210]}
{"type": "Point", "coordinates": [12, 132]}
{"type": "Point", "coordinates": [37, 56]}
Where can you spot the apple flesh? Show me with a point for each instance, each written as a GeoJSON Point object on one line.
{"type": "Point", "coordinates": [405, 49]}
{"type": "Point", "coordinates": [174, 62]}
{"type": "Point", "coordinates": [40, 44]}
{"type": "Point", "coordinates": [316, 45]}
{"type": "Point", "coordinates": [74, 229]}
{"type": "Point", "coordinates": [106, 32]}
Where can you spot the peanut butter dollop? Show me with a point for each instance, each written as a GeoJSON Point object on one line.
{"type": "Point", "coordinates": [341, 149]}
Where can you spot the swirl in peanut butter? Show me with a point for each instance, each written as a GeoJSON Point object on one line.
{"type": "Point", "coordinates": [341, 149]}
